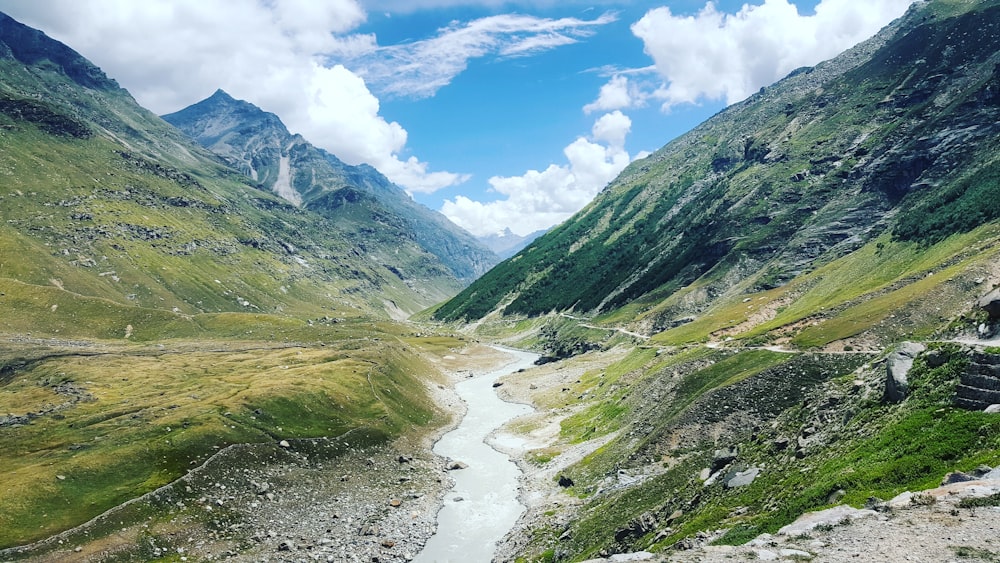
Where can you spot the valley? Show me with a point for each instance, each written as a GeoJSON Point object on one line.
{"type": "Point", "coordinates": [777, 337]}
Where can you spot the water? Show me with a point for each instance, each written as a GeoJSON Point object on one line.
{"type": "Point", "coordinates": [468, 529]}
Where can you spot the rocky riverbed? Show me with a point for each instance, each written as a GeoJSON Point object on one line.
{"type": "Point", "coordinates": [332, 499]}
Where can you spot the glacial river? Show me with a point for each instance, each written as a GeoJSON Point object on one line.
{"type": "Point", "coordinates": [482, 507]}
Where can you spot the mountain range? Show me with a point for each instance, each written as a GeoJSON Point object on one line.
{"type": "Point", "coordinates": [356, 198]}
{"type": "Point", "coordinates": [792, 307]}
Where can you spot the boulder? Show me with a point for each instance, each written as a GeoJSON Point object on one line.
{"type": "Point", "coordinates": [898, 365]}
{"type": "Point", "coordinates": [830, 516]}
{"type": "Point", "coordinates": [991, 303]}
{"type": "Point", "coordinates": [723, 458]}
{"type": "Point", "coordinates": [743, 478]}
{"type": "Point", "coordinates": [957, 477]}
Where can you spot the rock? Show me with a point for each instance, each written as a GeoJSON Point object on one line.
{"type": "Point", "coordinates": [766, 555]}
{"type": "Point", "coordinates": [957, 477]}
{"type": "Point", "coordinates": [991, 303]}
{"type": "Point", "coordinates": [284, 444]}
{"type": "Point", "coordinates": [780, 444]}
{"type": "Point", "coordinates": [992, 409]}
{"type": "Point", "coordinates": [497, 384]}
{"type": "Point", "coordinates": [981, 470]}
{"type": "Point", "coordinates": [705, 474]}
{"type": "Point", "coordinates": [395, 503]}
{"type": "Point", "coordinates": [935, 358]}
{"type": "Point", "coordinates": [368, 529]}
{"type": "Point", "coordinates": [830, 516]}
{"type": "Point", "coordinates": [455, 465]}
{"type": "Point", "coordinates": [565, 482]}
{"type": "Point", "coordinates": [388, 543]}
{"type": "Point", "coordinates": [723, 458]}
{"type": "Point", "coordinates": [675, 515]}
{"type": "Point", "coordinates": [743, 478]}
{"type": "Point", "coordinates": [286, 545]}
{"type": "Point", "coordinates": [835, 496]}
{"type": "Point", "coordinates": [898, 365]}
{"type": "Point", "coordinates": [794, 554]}
{"type": "Point", "coordinates": [626, 557]}
{"type": "Point", "coordinates": [992, 475]}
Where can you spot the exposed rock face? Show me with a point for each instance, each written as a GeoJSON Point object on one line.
{"type": "Point", "coordinates": [259, 145]}
{"type": "Point", "coordinates": [979, 387]}
{"type": "Point", "coordinates": [991, 303]}
{"type": "Point", "coordinates": [897, 366]}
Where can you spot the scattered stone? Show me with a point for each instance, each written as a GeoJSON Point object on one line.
{"type": "Point", "coordinates": [705, 474]}
{"type": "Point", "coordinates": [368, 529]}
{"type": "Point", "coordinates": [286, 545]}
{"type": "Point", "coordinates": [795, 554]}
{"type": "Point", "coordinates": [455, 465]}
{"type": "Point", "coordinates": [395, 503]}
{"type": "Point", "coordinates": [284, 444]}
{"type": "Point", "coordinates": [743, 478]}
{"type": "Point", "coordinates": [780, 444]}
{"type": "Point", "coordinates": [830, 517]}
{"type": "Point", "coordinates": [626, 557]}
{"type": "Point", "coordinates": [898, 365]}
{"type": "Point", "coordinates": [388, 543]}
{"type": "Point", "coordinates": [723, 458]}
{"type": "Point", "coordinates": [497, 384]}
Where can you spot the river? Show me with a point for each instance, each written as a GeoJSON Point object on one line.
{"type": "Point", "coordinates": [483, 504]}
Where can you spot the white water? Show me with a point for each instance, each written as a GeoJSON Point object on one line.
{"type": "Point", "coordinates": [469, 529]}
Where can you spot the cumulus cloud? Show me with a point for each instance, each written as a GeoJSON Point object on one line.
{"type": "Point", "coordinates": [274, 54]}
{"type": "Point", "coordinates": [539, 199]}
{"type": "Point", "coordinates": [420, 68]}
{"type": "Point", "coordinates": [614, 95]}
{"type": "Point", "coordinates": [719, 56]}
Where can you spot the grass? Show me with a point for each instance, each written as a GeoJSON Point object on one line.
{"type": "Point", "coordinates": [152, 414]}
{"type": "Point", "coordinates": [850, 295]}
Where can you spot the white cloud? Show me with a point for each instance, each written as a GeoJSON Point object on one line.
{"type": "Point", "coordinates": [540, 199]}
{"type": "Point", "coordinates": [170, 54]}
{"type": "Point", "coordinates": [420, 68]}
{"type": "Point", "coordinates": [714, 55]}
{"type": "Point", "coordinates": [614, 95]}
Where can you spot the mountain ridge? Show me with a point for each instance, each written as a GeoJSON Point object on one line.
{"type": "Point", "coordinates": [258, 143]}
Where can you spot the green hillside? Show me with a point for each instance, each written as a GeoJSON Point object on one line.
{"type": "Point", "coordinates": [157, 306]}
{"type": "Point", "coordinates": [726, 306]}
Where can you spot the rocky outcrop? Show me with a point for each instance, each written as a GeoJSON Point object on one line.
{"type": "Point", "coordinates": [991, 304]}
{"type": "Point", "coordinates": [979, 386]}
{"type": "Point", "coordinates": [897, 367]}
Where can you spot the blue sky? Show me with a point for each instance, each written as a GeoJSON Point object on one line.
{"type": "Point", "coordinates": [500, 114]}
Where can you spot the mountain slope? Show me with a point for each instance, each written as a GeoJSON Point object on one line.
{"type": "Point", "coordinates": [892, 140]}
{"type": "Point", "coordinates": [725, 322]}
{"type": "Point", "coordinates": [157, 307]}
{"type": "Point", "coordinates": [258, 144]}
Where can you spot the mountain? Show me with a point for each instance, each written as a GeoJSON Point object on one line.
{"type": "Point", "coordinates": [506, 243]}
{"type": "Point", "coordinates": [158, 307]}
{"type": "Point", "coordinates": [258, 144]}
{"type": "Point", "coordinates": [890, 143]}
{"type": "Point", "coordinates": [791, 307]}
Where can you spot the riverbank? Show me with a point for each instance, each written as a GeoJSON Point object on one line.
{"type": "Point", "coordinates": [312, 500]}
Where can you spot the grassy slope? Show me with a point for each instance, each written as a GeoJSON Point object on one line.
{"type": "Point", "coordinates": [185, 307]}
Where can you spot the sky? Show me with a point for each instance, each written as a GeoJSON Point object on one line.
{"type": "Point", "coordinates": [498, 113]}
